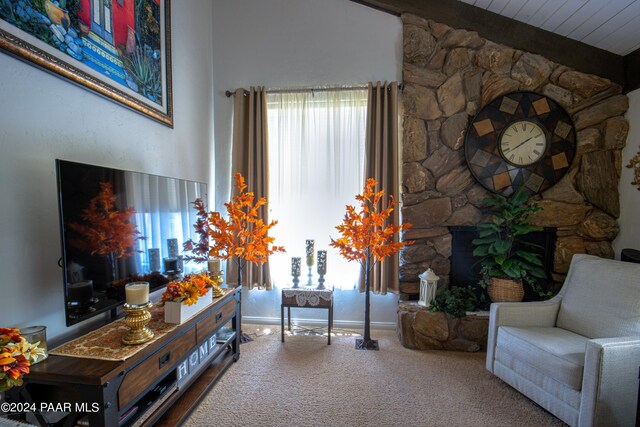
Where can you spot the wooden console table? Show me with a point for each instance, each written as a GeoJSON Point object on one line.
{"type": "Point", "coordinates": [306, 298]}
{"type": "Point", "coordinates": [160, 385]}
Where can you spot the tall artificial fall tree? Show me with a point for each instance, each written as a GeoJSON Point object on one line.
{"type": "Point", "coordinates": [367, 236]}
{"type": "Point", "coordinates": [244, 236]}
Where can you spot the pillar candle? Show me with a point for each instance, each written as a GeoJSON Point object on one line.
{"type": "Point", "coordinates": [214, 265]}
{"type": "Point", "coordinates": [137, 293]}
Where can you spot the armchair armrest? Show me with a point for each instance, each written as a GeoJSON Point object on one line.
{"type": "Point", "coordinates": [534, 314]}
{"type": "Point", "coordinates": [610, 382]}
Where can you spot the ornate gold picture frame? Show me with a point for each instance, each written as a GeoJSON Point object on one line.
{"type": "Point", "coordinates": [120, 49]}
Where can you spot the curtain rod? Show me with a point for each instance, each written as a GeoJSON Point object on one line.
{"type": "Point", "coordinates": [229, 93]}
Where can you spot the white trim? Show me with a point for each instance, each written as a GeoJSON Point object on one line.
{"type": "Point", "coordinates": [344, 324]}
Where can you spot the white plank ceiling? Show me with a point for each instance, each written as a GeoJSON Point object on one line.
{"type": "Point", "coordinates": [612, 25]}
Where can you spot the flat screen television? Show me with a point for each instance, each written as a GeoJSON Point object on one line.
{"type": "Point", "coordinates": [119, 226]}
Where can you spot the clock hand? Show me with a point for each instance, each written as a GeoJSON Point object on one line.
{"type": "Point", "coordinates": [521, 144]}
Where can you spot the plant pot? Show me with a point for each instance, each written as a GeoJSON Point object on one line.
{"type": "Point", "coordinates": [505, 290]}
{"type": "Point", "coordinates": [57, 15]}
{"type": "Point", "coordinates": [176, 312]}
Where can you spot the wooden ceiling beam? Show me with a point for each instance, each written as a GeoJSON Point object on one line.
{"type": "Point", "coordinates": [632, 70]}
{"type": "Point", "coordinates": [510, 32]}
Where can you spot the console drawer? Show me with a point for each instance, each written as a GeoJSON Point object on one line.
{"type": "Point", "coordinates": [155, 367]}
{"type": "Point", "coordinates": [206, 326]}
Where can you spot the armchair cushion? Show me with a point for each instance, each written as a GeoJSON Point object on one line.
{"type": "Point", "coordinates": [554, 352]}
{"type": "Point", "coordinates": [601, 298]}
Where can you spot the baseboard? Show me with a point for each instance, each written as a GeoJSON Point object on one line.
{"type": "Point", "coordinates": [343, 324]}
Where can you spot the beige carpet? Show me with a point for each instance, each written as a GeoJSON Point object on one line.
{"type": "Point", "coordinates": [305, 382]}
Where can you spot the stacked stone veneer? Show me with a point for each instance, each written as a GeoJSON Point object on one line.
{"type": "Point", "coordinates": [449, 74]}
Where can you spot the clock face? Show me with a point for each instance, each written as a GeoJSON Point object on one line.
{"type": "Point", "coordinates": [520, 140]}
{"type": "Point", "coordinates": [523, 143]}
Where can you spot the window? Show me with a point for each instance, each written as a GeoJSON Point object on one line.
{"type": "Point", "coordinates": [316, 167]}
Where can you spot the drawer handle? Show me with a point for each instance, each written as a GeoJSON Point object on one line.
{"type": "Point", "coordinates": [164, 359]}
{"type": "Point", "coordinates": [218, 317]}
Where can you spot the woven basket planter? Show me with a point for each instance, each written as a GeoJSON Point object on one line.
{"type": "Point", "coordinates": [505, 290]}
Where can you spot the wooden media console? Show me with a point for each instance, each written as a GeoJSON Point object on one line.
{"type": "Point", "coordinates": [160, 385]}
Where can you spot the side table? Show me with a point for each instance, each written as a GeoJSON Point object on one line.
{"type": "Point", "coordinates": [306, 298]}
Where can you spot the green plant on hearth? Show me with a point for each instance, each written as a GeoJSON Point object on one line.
{"type": "Point", "coordinates": [457, 300]}
{"type": "Point", "coordinates": [503, 252]}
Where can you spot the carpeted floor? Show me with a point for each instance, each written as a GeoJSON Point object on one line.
{"type": "Point", "coordinates": [305, 382]}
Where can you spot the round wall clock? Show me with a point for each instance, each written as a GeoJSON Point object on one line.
{"type": "Point", "coordinates": [520, 140]}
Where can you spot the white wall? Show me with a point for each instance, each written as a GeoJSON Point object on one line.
{"type": "Point", "coordinates": [43, 117]}
{"type": "Point", "coordinates": [288, 43]}
{"type": "Point", "coordinates": [629, 220]}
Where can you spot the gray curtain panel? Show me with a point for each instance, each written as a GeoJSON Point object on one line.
{"type": "Point", "coordinates": [382, 164]}
{"type": "Point", "coordinates": [250, 157]}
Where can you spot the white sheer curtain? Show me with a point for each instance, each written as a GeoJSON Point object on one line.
{"type": "Point", "coordinates": [316, 167]}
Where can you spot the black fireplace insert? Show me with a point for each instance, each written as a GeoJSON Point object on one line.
{"type": "Point", "coordinates": [465, 268]}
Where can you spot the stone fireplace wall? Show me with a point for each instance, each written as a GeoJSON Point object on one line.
{"type": "Point", "coordinates": [449, 74]}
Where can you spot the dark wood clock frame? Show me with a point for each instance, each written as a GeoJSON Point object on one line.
{"type": "Point", "coordinates": [482, 139]}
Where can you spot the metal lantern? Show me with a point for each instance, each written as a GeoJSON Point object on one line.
{"type": "Point", "coordinates": [428, 287]}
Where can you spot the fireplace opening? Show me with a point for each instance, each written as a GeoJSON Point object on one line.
{"type": "Point", "coordinates": [465, 268]}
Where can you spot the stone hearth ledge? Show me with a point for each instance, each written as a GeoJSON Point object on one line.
{"type": "Point", "coordinates": [420, 329]}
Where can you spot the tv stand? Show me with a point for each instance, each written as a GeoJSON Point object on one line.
{"type": "Point", "coordinates": [160, 385]}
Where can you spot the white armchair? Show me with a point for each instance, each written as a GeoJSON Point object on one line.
{"type": "Point", "coordinates": [577, 355]}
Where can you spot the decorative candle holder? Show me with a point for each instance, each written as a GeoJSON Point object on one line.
{"type": "Point", "coordinates": [322, 268]}
{"type": "Point", "coordinates": [309, 251]}
{"type": "Point", "coordinates": [171, 269]}
{"type": "Point", "coordinates": [154, 259]}
{"type": "Point", "coordinates": [217, 281]}
{"type": "Point", "coordinates": [215, 274]}
{"type": "Point", "coordinates": [295, 270]}
{"type": "Point", "coordinates": [172, 245]}
{"type": "Point", "coordinates": [137, 318]}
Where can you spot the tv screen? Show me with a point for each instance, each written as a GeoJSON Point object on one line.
{"type": "Point", "coordinates": [119, 226]}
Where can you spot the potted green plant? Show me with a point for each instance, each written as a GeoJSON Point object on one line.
{"type": "Point", "coordinates": [506, 258]}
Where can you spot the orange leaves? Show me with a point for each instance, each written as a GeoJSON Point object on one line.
{"type": "Point", "coordinates": [106, 229]}
{"type": "Point", "coordinates": [365, 232]}
{"type": "Point", "coordinates": [13, 363]}
{"type": "Point", "coordinates": [189, 289]}
{"type": "Point", "coordinates": [199, 249]}
{"type": "Point", "coordinates": [244, 235]}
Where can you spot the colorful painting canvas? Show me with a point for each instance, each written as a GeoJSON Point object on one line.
{"type": "Point", "coordinates": [118, 48]}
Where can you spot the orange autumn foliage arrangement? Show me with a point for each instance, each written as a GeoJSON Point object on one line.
{"type": "Point", "coordinates": [367, 236]}
{"type": "Point", "coordinates": [199, 249]}
{"type": "Point", "coordinates": [107, 231]}
{"type": "Point", "coordinates": [16, 355]}
{"type": "Point", "coordinates": [364, 237]}
{"type": "Point", "coordinates": [189, 289]}
{"type": "Point", "coordinates": [244, 235]}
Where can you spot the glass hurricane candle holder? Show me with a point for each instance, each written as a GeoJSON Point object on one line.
{"type": "Point", "coordinates": [37, 335]}
{"type": "Point", "coordinates": [322, 268]}
{"type": "Point", "coordinates": [295, 270]}
{"type": "Point", "coordinates": [310, 259]}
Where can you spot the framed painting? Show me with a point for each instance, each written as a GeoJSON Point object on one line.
{"type": "Point", "coordinates": [120, 49]}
